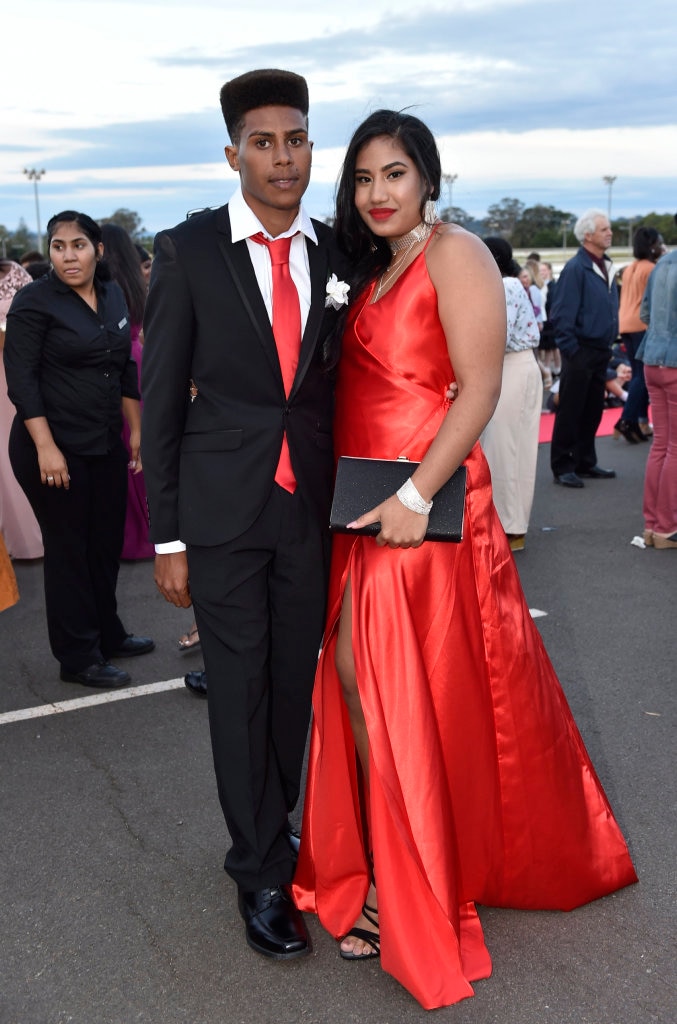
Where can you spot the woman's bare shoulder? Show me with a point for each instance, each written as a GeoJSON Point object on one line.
{"type": "Point", "coordinates": [452, 245]}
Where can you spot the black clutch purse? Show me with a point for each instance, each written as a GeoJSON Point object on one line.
{"type": "Point", "coordinates": [362, 484]}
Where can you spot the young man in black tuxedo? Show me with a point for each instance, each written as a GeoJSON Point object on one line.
{"type": "Point", "coordinates": [238, 465]}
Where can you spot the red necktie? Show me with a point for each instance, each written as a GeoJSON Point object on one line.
{"type": "Point", "coordinates": [287, 333]}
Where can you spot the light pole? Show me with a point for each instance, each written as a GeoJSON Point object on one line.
{"type": "Point", "coordinates": [449, 180]}
{"type": "Point", "coordinates": [609, 180]}
{"type": "Point", "coordinates": [35, 177]}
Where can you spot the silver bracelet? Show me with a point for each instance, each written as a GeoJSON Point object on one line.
{"type": "Point", "coordinates": [411, 499]}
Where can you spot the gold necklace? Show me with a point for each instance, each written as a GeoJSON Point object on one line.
{"type": "Point", "coordinates": [404, 244]}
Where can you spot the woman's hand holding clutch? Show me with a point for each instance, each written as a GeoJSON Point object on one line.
{"type": "Point", "coordinates": [400, 527]}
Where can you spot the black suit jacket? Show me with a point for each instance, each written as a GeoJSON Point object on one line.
{"type": "Point", "coordinates": [209, 465]}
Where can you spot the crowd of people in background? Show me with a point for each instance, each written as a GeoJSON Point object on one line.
{"type": "Point", "coordinates": [510, 440]}
{"type": "Point", "coordinates": [511, 451]}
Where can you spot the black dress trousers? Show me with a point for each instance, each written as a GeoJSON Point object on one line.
{"type": "Point", "coordinates": [82, 531]}
{"type": "Point", "coordinates": [581, 403]}
{"type": "Point", "coordinates": [259, 604]}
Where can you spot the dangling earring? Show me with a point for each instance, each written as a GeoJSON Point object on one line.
{"type": "Point", "coordinates": [430, 212]}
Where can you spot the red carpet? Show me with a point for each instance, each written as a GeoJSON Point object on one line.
{"type": "Point", "coordinates": [606, 427]}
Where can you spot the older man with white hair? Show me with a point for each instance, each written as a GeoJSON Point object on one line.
{"type": "Point", "coordinates": [585, 318]}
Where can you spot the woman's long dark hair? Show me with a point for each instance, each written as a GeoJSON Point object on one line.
{"type": "Point", "coordinates": [643, 241]}
{"type": "Point", "coordinates": [122, 260]}
{"type": "Point", "coordinates": [369, 254]}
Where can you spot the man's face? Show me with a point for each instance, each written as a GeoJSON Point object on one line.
{"type": "Point", "coordinates": [273, 159]}
{"type": "Point", "coordinates": [599, 240]}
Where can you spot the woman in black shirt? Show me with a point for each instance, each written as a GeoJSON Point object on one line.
{"type": "Point", "coordinates": [70, 376]}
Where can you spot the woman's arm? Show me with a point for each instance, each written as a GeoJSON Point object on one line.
{"type": "Point", "coordinates": [471, 306]}
{"type": "Point", "coordinates": [27, 324]}
{"type": "Point", "coordinates": [645, 304]}
{"type": "Point", "coordinates": [131, 410]}
{"type": "Point", "coordinates": [27, 327]}
{"type": "Point", "coordinates": [51, 460]}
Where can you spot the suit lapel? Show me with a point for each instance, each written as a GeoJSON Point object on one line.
{"type": "Point", "coordinates": [236, 256]}
{"type": "Point", "coordinates": [317, 260]}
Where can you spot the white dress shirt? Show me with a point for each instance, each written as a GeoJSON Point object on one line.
{"type": "Point", "coordinates": [244, 223]}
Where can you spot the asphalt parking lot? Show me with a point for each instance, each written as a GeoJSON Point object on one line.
{"type": "Point", "coordinates": [114, 908]}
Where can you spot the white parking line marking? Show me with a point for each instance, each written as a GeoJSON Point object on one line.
{"type": "Point", "coordinates": [59, 707]}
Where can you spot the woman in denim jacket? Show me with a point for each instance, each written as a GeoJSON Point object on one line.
{"type": "Point", "coordinates": [659, 354]}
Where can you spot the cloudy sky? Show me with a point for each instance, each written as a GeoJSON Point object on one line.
{"type": "Point", "coordinates": [118, 101]}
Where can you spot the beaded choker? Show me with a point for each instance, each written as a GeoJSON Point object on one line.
{"type": "Point", "coordinates": [417, 234]}
{"type": "Point", "coordinates": [403, 245]}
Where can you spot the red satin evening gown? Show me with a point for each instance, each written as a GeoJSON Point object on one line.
{"type": "Point", "coordinates": [480, 786]}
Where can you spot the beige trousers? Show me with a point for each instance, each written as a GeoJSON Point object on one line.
{"type": "Point", "coordinates": [510, 440]}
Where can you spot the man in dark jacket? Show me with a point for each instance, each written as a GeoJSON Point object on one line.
{"type": "Point", "coordinates": [585, 318]}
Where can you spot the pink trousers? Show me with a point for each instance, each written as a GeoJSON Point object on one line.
{"type": "Point", "coordinates": [660, 482]}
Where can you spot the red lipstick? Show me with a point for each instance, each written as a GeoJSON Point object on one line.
{"type": "Point", "coordinates": [381, 214]}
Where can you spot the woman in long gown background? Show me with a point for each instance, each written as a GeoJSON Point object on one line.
{"type": "Point", "coordinates": [17, 520]}
{"type": "Point", "coordinates": [122, 261]}
{"type": "Point", "coordinates": [445, 766]}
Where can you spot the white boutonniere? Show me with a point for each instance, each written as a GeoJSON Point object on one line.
{"type": "Point", "coordinates": [337, 293]}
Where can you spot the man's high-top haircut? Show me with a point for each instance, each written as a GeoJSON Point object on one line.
{"type": "Point", "coordinates": [265, 88]}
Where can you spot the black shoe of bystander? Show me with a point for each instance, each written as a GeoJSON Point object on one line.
{"type": "Point", "coordinates": [102, 675]}
{"type": "Point", "coordinates": [569, 480]}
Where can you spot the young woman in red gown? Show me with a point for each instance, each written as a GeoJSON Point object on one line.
{"type": "Point", "coordinates": [445, 767]}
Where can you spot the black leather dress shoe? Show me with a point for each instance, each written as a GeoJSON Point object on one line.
{"type": "Point", "coordinates": [196, 682]}
{"type": "Point", "coordinates": [569, 480]}
{"type": "Point", "coordinates": [131, 646]}
{"type": "Point", "coordinates": [102, 674]}
{"type": "Point", "coordinates": [597, 473]}
{"type": "Point", "coordinates": [274, 927]}
{"type": "Point", "coordinates": [293, 837]}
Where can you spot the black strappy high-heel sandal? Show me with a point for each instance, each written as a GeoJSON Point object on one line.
{"type": "Point", "coordinates": [372, 939]}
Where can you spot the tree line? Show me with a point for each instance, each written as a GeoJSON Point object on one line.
{"type": "Point", "coordinates": [524, 226]}
{"type": "Point", "coordinates": [548, 227]}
